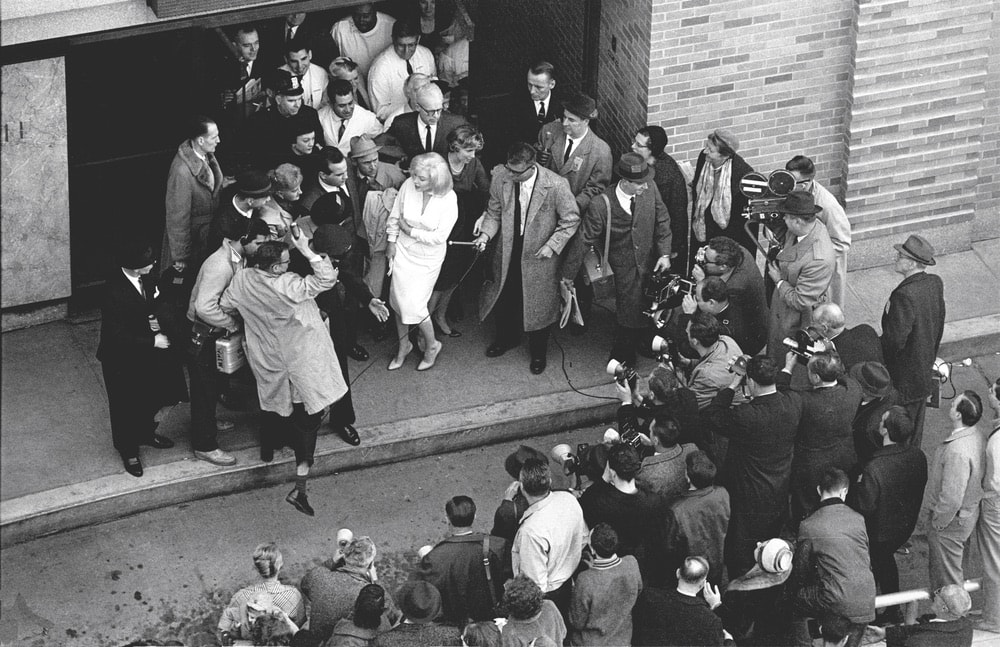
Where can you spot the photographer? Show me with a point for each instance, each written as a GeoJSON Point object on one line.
{"type": "Point", "coordinates": [710, 374]}
{"type": "Point", "coordinates": [711, 295]}
{"type": "Point", "coordinates": [288, 344]}
{"type": "Point", "coordinates": [726, 259]}
{"type": "Point", "coordinates": [758, 470]}
{"type": "Point", "coordinates": [241, 238]}
{"type": "Point", "coordinates": [666, 399]}
{"type": "Point", "coordinates": [825, 437]}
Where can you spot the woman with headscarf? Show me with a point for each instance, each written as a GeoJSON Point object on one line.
{"type": "Point", "coordinates": [717, 208]}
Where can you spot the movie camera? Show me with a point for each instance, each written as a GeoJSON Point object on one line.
{"type": "Point", "coordinates": [765, 195]}
{"type": "Point", "coordinates": [589, 460]}
{"type": "Point", "coordinates": [807, 342]}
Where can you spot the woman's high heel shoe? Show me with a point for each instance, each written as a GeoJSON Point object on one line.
{"type": "Point", "coordinates": [430, 357]}
{"type": "Point", "coordinates": [400, 357]}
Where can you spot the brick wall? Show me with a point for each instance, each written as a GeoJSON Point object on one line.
{"type": "Point", "coordinates": [917, 134]}
{"type": "Point", "coordinates": [777, 73]}
{"type": "Point", "coordinates": [623, 64]}
{"type": "Point", "coordinates": [987, 222]}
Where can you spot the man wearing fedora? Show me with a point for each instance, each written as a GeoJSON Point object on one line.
{"type": "Point", "coordinates": [570, 148]}
{"type": "Point", "coordinates": [912, 325]}
{"type": "Point", "coordinates": [801, 271]}
{"type": "Point", "coordinates": [888, 493]}
{"type": "Point", "coordinates": [640, 245]}
{"type": "Point", "coordinates": [420, 603]}
{"type": "Point", "coordinates": [877, 396]}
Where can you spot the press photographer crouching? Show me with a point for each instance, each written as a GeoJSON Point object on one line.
{"type": "Point", "coordinates": [666, 398]}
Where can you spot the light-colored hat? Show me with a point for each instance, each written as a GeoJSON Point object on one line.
{"type": "Point", "coordinates": [363, 146]}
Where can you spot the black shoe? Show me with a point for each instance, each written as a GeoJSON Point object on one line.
{"type": "Point", "coordinates": [358, 352]}
{"type": "Point", "coordinates": [132, 465]}
{"type": "Point", "coordinates": [158, 441]}
{"type": "Point", "coordinates": [301, 502]}
{"type": "Point", "coordinates": [496, 349]}
{"type": "Point", "coordinates": [350, 435]}
{"type": "Point", "coordinates": [537, 365]}
{"type": "Point", "coordinates": [266, 454]}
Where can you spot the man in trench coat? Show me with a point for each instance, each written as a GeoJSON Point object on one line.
{"type": "Point", "coordinates": [534, 214]}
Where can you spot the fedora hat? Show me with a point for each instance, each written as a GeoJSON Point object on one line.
{"type": "Point", "coordinates": [799, 203]}
{"type": "Point", "coordinates": [253, 184]}
{"type": "Point", "coordinates": [873, 377]}
{"type": "Point", "coordinates": [582, 106]}
{"type": "Point", "coordinates": [419, 601]}
{"type": "Point", "coordinates": [363, 146]}
{"type": "Point", "coordinates": [631, 166]}
{"type": "Point", "coordinates": [918, 249]}
{"type": "Point", "coordinates": [772, 567]}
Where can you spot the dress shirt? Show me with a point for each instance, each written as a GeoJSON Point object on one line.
{"type": "Point", "coordinates": [526, 188]}
{"type": "Point", "coordinates": [544, 105]}
{"type": "Point", "coordinates": [624, 199]}
{"type": "Point", "coordinates": [362, 122]}
{"type": "Point", "coordinates": [575, 145]}
{"type": "Point", "coordinates": [362, 48]}
{"type": "Point", "coordinates": [422, 127]}
{"type": "Point", "coordinates": [314, 81]}
{"type": "Point", "coordinates": [134, 280]}
{"type": "Point", "coordinates": [245, 214]}
{"type": "Point", "coordinates": [387, 75]}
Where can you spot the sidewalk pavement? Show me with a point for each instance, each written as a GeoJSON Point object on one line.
{"type": "Point", "coordinates": [58, 469]}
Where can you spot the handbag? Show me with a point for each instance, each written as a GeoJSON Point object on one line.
{"type": "Point", "coordinates": [596, 267]}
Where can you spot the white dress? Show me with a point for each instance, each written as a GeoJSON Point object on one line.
{"type": "Point", "coordinates": [419, 254]}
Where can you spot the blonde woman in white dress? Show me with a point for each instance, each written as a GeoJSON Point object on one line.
{"type": "Point", "coordinates": [417, 230]}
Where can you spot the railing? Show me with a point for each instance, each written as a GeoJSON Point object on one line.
{"type": "Point", "coordinates": [916, 595]}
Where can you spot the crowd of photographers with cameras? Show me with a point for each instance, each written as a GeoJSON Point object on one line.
{"type": "Point", "coordinates": [773, 453]}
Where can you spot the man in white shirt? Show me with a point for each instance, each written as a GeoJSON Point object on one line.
{"type": "Point", "coordinates": [298, 61]}
{"type": "Point", "coordinates": [549, 543]}
{"type": "Point", "coordinates": [343, 119]}
{"type": "Point", "coordinates": [391, 68]}
{"type": "Point", "coordinates": [363, 35]}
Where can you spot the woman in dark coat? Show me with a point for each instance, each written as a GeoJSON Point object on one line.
{"type": "Point", "coordinates": [718, 205]}
{"type": "Point", "coordinates": [471, 184]}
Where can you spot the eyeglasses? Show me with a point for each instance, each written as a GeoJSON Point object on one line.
{"type": "Point", "coordinates": [803, 182]}
{"type": "Point", "coordinates": [432, 113]}
{"type": "Point", "coordinates": [517, 173]}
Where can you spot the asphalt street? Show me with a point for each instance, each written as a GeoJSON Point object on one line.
{"type": "Point", "coordinates": [168, 573]}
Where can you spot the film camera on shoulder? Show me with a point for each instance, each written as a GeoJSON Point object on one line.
{"type": "Point", "coordinates": [766, 195]}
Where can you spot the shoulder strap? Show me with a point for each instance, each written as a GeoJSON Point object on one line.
{"type": "Point", "coordinates": [607, 231]}
{"type": "Point", "coordinates": [486, 567]}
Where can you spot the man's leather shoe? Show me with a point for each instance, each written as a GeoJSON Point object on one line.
{"type": "Point", "coordinates": [266, 454]}
{"type": "Point", "coordinates": [350, 435]}
{"type": "Point", "coordinates": [158, 441]}
{"type": "Point", "coordinates": [358, 353]}
{"type": "Point", "coordinates": [132, 465]}
{"type": "Point", "coordinates": [496, 349]}
{"type": "Point", "coordinates": [224, 425]}
{"type": "Point", "coordinates": [301, 502]}
{"type": "Point", "coordinates": [216, 457]}
{"type": "Point", "coordinates": [537, 366]}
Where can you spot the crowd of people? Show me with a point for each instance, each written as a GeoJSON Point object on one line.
{"type": "Point", "coordinates": [777, 453]}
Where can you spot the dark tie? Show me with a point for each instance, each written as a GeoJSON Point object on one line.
{"type": "Point", "coordinates": [631, 206]}
{"type": "Point", "coordinates": [289, 35]}
{"type": "Point", "coordinates": [517, 209]}
{"type": "Point", "coordinates": [428, 142]}
{"type": "Point", "coordinates": [541, 111]}
{"type": "Point", "coordinates": [569, 149]}
{"type": "Point", "coordinates": [340, 131]}
{"type": "Point", "coordinates": [409, 68]}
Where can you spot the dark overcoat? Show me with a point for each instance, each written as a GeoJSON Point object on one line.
{"type": "Point", "coordinates": [912, 325]}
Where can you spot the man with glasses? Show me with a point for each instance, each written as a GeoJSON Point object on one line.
{"type": "Point", "coordinates": [650, 142]}
{"type": "Point", "coordinates": [426, 130]}
{"type": "Point", "coordinates": [832, 215]}
{"type": "Point", "coordinates": [533, 214]}
{"type": "Point", "coordinates": [731, 262]}
{"type": "Point", "coordinates": [640, 244]}
{"type": "Point", "coordinates": [391, 68]}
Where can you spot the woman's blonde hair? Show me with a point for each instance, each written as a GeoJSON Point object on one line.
{"type": "Point", "coordinates": [437, 169]}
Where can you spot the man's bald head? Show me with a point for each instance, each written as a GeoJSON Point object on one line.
{"type": "Point", "coordinates": [829, 318]}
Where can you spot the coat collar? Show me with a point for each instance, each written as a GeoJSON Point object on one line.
{"type": "Point", "coordinates": [200, 170]}
{"type": "Point", "coordinates": [796, 249]}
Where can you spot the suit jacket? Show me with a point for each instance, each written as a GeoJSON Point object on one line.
{"type": "Point", "coordinates": [954, 633]}
{"type": "Point", "coordinates": [552, 219]}
{"type": "Point", "coordinates": [748, 295]}
{"type": "Point", "coordinates": [386, 176]}
{"type": "Point", "coordinates": [806, 267]}
{"type": "Point", "coordinates": [455, 566]}
{"type": "Point", "coordinates": [866, 425]}
{"type": "Point", "coordinates": [825, 437]}
{"type": "Point", "coordinates": [588, 169]}
{"type": "Point", "coordinates": [193, 188]}
{"type": "Point", "coordinates": [522, 117]}
{"type": "Point", "coordinates": [889, 492]}
{"type": "Point", "coordinates": [734, 324]}
{"type": "Point", "coordinates": [696, 524]}
{"type": "Point", "coordinates": [858, 344]}
{"type": "Point", "coordinates": [125, 333]}
{"type": "Point", "coordinates": [912, 325]}
{"type": "Point", "coordinates": [831, 567]}
{"type": "Point", "coordinates": [407, 131]}
{"type": "Point", "coordinates": [663, 617]}
{"type": "Point", "coordinates": [673, 190]}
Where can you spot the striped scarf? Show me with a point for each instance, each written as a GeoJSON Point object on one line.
{"type": "Point", "coordinates": [715, 195]}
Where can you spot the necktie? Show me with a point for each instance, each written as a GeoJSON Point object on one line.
{"type": "Point", "coordinates": [409, 68]}
{"type": "Point", "coordinates": [428, 142]}
{"type": "Point", "coordinates": [340, 131]}
{"type": "Point", "coordinates": [290, 35]}
{"type": "Point", "coordinates": [631, 206]}
{"type": "Point", "coordinates": [517, 209]}
{"type": "Point", "coordinates": [249, 68]}
{"type": "Point", "coordinates": [541, 111]}
{"type": "Point", "coordinates": [569, 149]}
